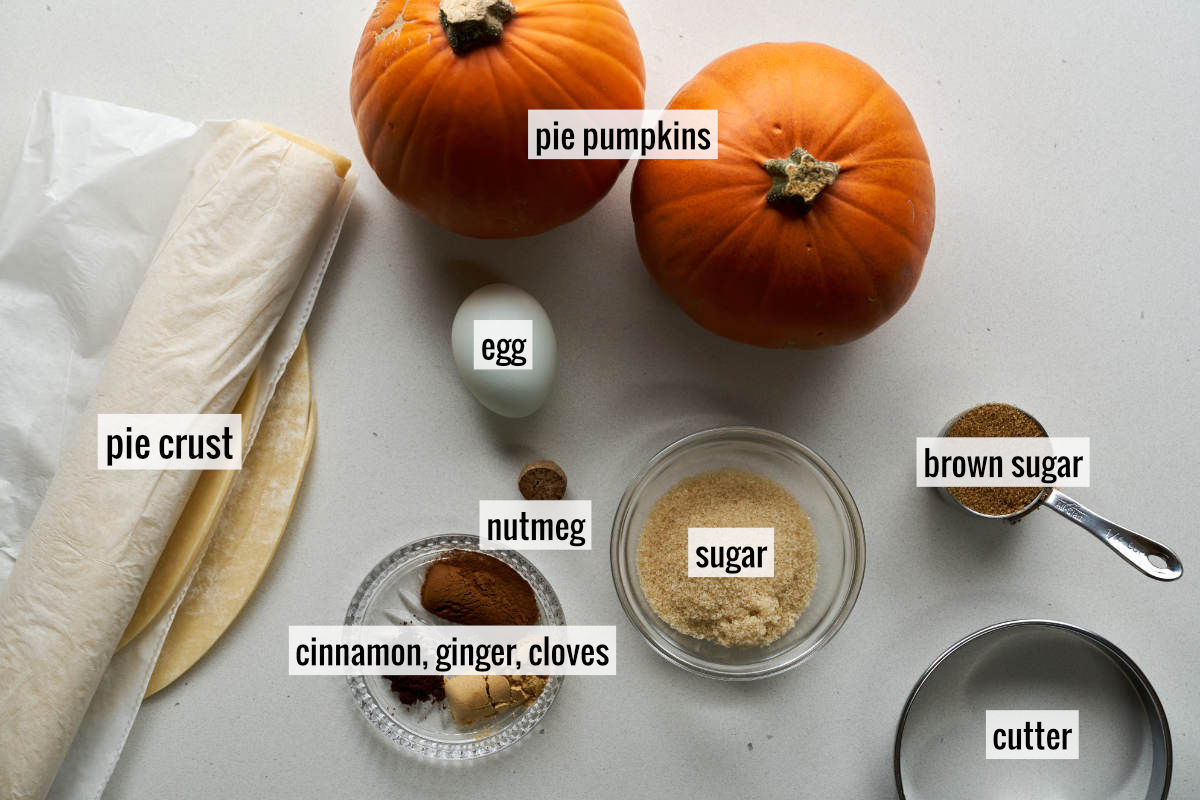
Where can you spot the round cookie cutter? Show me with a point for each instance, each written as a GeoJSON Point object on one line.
{"type": "Point", "coordinates": [1125, 741]}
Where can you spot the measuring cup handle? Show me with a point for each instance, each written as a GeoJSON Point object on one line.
{"type": "Point", "coordinates": [1133, 547]}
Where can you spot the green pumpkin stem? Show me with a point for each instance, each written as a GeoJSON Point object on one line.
{"type": "Point", "coordinates": [799, 178]}
{"type": "Point", "coordinates": [474, 23]}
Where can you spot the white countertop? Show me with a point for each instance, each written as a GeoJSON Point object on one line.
{"type": "Point", "coordinates": [1062, 278]}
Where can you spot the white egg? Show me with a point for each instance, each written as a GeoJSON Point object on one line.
{"type": "Point", "coordinates": [505, 350]}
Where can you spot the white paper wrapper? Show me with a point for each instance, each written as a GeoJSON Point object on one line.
{"type": "Point", "coordinates": [90, 200]}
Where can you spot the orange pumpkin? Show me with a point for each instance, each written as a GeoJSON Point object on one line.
{"type": "Point", "coordinates": [440, 93]}
{"type": "Point", "coordinates": [811, 227]}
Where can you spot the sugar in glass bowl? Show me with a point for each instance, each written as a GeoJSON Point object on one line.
{"type": "Point", "coordinates": [835, 522]}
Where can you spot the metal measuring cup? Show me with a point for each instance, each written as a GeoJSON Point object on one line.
{"type": "Point", "coordinates": [1150, 557]}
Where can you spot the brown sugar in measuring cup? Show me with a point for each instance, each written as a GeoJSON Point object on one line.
{"type": "Point", "coordinates": [996, 419]}
{"type": "Point", "coordinates": [1001, 419]}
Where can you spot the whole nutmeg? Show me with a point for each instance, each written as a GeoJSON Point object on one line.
{"type": "Point", "coordinates": [542, 480]}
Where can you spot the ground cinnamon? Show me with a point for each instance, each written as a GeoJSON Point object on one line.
{"type": "Point", "coordinates": [473, 588]}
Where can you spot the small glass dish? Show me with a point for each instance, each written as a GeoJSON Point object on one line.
{"type": "Point", "coordinates": [836, 525]}
{"type": "Point", "coordinates": [390, 595]}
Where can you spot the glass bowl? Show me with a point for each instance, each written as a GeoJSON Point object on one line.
{"type": "Point", "coordinates": [390, 595]}
{"type": "Point", "coordinates": [836, 525]}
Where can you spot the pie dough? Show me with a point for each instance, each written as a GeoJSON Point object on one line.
{"type": "Point", "coordinates": [187, 542]}
{"type": "Point", "coordinates": [249, 526]}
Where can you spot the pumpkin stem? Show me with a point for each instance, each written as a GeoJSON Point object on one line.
{"type": "Point", "coordinates": [799, 178]}
{"type": "Point", "coordinates": [473, 23]}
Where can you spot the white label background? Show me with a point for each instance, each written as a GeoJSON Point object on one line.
{"type": "Point", "coordinates": [429, 637]}
{"type": "Point", "coordinates": [731, 537]}
{"type": "Point", "coordinates": [156, 426]}
{"type": "Point", "coordinates": [581, 121]}
{"type": "Point", "coordinates": [552, 510]}
{"type": "Point", "coordinates": [497, 329]}
{"type": "Point", "coordinates": [1006, 447]}
{"type": "Point", "coordinates": [1059, 720]}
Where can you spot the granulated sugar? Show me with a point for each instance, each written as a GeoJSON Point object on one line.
{"type": "Point", "coordinates": [734, 612]}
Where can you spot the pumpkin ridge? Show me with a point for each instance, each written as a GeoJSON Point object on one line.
{"type": "Point", "coordinates": [817, 226]}
{"type": "Point", "coordinates": [586, 174]}
{"type": "Point", "coordinates": [379, 76]}
{"type": "Point", "coordinates": [703, 264]}
{"type": "Point", "coordinates": [831, 143]}
{"type": "Point", "coordinates": [738, 149]}
{"type": "Point", "coordinates": [552, 9]}
{"type": "Point", "coordinates": [877, 184]}
{"type": "Point", "coordinates": [490, 58]}
{"type": "Point", "coordinates": [498, 60]}
{"type": "Point", "coordinates": [852, 246]}
{"type": "Point", "coordinates": [540, 4]}
{"type": "Point", "coordinates": [406, 140]}
{"type": "Point", "coordinates": [727, 92]}
{"type": "Point", "coordinates": [580, 166]}
{"type": "Point", "coordinates": [690, 197]}
{"type": "Point", "coordinates": [905, 235]}
{"type": "Point", "coordinates": [548, 75]}
{"type": "Point", "coordinates": [640, 80]}
{"type": "Point", "coordinates": [769, 285]}
{"type": "Point", "coordinates": [886, 159]}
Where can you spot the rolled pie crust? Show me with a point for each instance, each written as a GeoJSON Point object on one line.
{"type": "Point", "coordinates": [238, 243]}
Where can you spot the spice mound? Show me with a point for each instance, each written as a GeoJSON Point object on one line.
{"type": "Point", "coordinates": [475, 697]}
{"type": "Point", "coordinates": [476, 589]}
{"type": "Point", "coordinates": [996, 419]}
{"type": "Point", "coordinates": [733, 612]}
{"type": "Point", "coordinates": [413, 689]}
